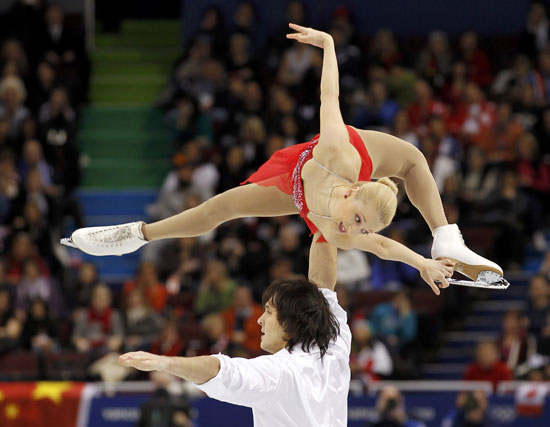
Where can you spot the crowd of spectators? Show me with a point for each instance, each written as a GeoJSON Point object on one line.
{"type": "Point", "coordinates": [234, 97]}
{"type": "Point", "coordinates": [44, 72]}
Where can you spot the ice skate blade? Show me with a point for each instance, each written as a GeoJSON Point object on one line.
{"type": "Point", "coordinates": [67, 241]}
{"type": "Point", "coordinates": [485, 279]}
{"type": "Point", "coordinates": [472, 271]}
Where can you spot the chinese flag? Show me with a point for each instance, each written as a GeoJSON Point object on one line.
{"type": "Point", "coordinates": [38, 404]}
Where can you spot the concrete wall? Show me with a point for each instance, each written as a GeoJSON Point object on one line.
{"type": "Point", "coordinates": [405, 17]}
{"type": "Point", "coordinates": [69, 6]}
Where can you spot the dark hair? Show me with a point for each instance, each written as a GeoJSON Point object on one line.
{"type": "Point", "coordinates": [304, 314]}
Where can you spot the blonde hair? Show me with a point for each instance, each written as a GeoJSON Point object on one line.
{"type": "Point", "coordinates": [383, 194]}
{"type": "Point", "coordinates": [15, 83]}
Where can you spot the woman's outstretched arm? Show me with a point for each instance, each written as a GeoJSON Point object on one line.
{"type": "Point", "coordinates": [385, 248]}
{"type": "Point", "coordinates": [332, 124]}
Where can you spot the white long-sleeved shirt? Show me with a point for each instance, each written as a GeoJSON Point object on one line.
{"type": "Point", "coordinates": [290, 388]}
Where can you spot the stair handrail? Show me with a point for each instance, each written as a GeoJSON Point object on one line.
{"type": "Point", "coordinates": [89, 24]}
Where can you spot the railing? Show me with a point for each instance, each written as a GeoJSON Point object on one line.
{"type": "Point", "coordinates": [514, 403]}
{"type": "Point", "coordinates": [89, 24]}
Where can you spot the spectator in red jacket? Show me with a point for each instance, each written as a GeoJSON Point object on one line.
{"type": "Point", "coordinates": [424, 107]}
{"type": "Point", "coordinates": [499, 137]}
{"type": "Point", "coordinates": [542, 79]}
{"type": "Point", "coordinates": [22, 250]}
{"type": "Point", "coordinates": [385, 50]}
{"type": "Point", "coordinates": [533, 172]}
{"type": "Point", "coordinates": [476, 60]}
{"type": "Point", "coordinates": [474, 115]}
{"type": "Point", "coordinates": [147, 281]}
{"type": "Point", "coordinates": [170, 342]}
{"type": "Point", "coordinates": [487, 367]}
{"type": "Point", "coordinates": [514, 344]}
{"type": "Point", "coordinates": [99, 327]}
{"type": "Point", "coordinates": [241, 320]}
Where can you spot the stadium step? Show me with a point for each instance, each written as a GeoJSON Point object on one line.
{"type": "Point", "coordinates": [443, 371]}
{"type": "Point", "coordinates": [488, 323]}
{"type": "Point", "coordinates": [482, 323]}
{"type": "Point", "coordinates": [124, 147]}
{"type": "Point", "coordinates": [125, 117]}
{"type": "Point", "coordinates": [125, 142]}
{"type": "Point", "coordinates": [455, 355]}
{"type": "Point", "coordinates": [480, 307]}
{"type": "Point", "coordinates": [114, 207]}
{"type": "Point", "coordinates": [468, 338]}
{"type": "Point", "coordinates": [131, 68]}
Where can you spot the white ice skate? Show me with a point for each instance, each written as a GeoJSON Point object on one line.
{"type": "Point", "coordinates": [111, 240]}
{"type": "Point", "coordinates": [448, 243]}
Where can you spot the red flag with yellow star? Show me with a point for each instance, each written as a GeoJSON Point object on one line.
{"type": "Point", "coordinates": [38, 404]}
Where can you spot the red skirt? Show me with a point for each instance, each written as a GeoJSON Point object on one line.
{"type": "Point", "coordinates": [278, 169]}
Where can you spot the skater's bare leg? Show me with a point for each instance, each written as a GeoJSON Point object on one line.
{"type": "Point", "coordinates": [249, 200]}
{"type": "Point", "coordinates": [423, 192]}
{"type": "Point", "coordinates": [392, 156]}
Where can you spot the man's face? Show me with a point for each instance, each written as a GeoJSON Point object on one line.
{"type": "Point", "coordinates": [273, 335]}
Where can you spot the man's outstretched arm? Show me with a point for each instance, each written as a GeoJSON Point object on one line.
{"type": "Point", "coordinates": [322, 263]}
{"type": "Point", "coordinates": [247, 382]}
{"type": "Point", "coordinates": [198, 369]}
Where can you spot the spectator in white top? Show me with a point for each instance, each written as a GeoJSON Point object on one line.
{"type": "Point", "coordinates": [371, 360]}
{"type": "Point", "coordinates": [353, 269]}
{"type": "Point", "coordinates": [305, 381]}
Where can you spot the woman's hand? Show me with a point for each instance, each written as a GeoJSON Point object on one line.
{"type": "Point", "coordinates": [437, 270]}
{"type": "Point", "coordinates": [308, 35]}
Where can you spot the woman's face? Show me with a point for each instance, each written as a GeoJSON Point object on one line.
{"type": "Point", "coordinates": [527, 148]}
{"type": "Point", "coordinates": [210, 20]}
{"type": "Point", "coordinates": [31, 270]}
{"type": "Point", "coordinates": [4, 301]}
{"type": "Point", "coordinates": [22, 247]}
{"type": "Point", "coordinates": [38, 310]}
{"type": "Point", "coordinates": [135, 300]}
{"type": "Point", "coordinates": [438, 45]}
{"type": "Point", "coordinates": [88, 273]}
{"type": "Point", "coordinates": [352, 216]}
{"type": "Point", "coordinates": [101, 299]}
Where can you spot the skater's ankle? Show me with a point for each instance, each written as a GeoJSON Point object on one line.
{"type": "Point", "coordinates": [440, 225]}
{"type": "Point", "coordinates": [143, 231]}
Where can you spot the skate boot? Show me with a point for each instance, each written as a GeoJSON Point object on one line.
{"type": "Point", "coordinates": [448, 243]}
{"type": "Point", "coordinates": [110, 240]}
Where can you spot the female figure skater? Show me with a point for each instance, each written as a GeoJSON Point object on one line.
{"type": "Point", "coordinates": [328, 182]}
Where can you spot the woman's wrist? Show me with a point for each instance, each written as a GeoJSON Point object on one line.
{"type": "Point", "coordinates": [420, 264]}
{"type": "Point", "coordinates": [327, 41]}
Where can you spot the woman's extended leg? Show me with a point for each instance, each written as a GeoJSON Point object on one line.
{"type": "Point", "coordinates": [251, 200]}
{"type": "Point", "coordinates": [393, 157]}
{"type": "Point", "coordinates": [247, 200]}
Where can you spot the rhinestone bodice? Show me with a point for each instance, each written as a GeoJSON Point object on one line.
{"type": "Point", "coordinates": [297, 183]}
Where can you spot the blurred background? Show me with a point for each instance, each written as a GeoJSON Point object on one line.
{"type": "Point", "coordinates": [117, 111]}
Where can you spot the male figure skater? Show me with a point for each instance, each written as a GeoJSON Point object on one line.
{"type": "Point", "coordinates": [305, 379]}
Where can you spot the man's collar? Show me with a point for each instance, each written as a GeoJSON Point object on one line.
{"type": "Point", "coordinates": [297, 350]}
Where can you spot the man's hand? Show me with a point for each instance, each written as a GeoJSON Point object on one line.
{"type": "Point", "coordinates": [437, 270]}
{"type": "Point", "coordinates": [308, 35]}
{"type": "Point", "coordinates": [144, 361]}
